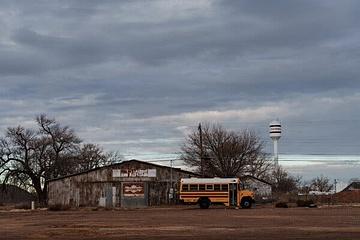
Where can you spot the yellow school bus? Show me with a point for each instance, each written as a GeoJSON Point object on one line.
{"type": "Point", "coordinates": [207, 191]}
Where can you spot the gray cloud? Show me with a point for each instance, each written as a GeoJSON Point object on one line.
{"type": "Point", "coordinates": [138, 75]}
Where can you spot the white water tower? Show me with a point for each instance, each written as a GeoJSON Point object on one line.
{"type": "Point", "coordinates": [275, 134]}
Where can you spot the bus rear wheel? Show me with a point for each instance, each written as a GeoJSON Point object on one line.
{"type": "Point", "coordinates": [204, 203]}
{"type": "Point", "coordinates": [246, 203]}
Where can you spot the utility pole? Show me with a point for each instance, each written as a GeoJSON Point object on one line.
{"type": "Point", "coordinates": [171, 175]}
{"type": "Point", "coordinates": [171, 190]}
{"type": "Point", "coordinates": [334, 195]}
{"type": "Point", "coordinates": [201, 151]}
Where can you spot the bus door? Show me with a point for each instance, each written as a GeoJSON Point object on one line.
{"type": "Point", "coordinates": [233, 194]}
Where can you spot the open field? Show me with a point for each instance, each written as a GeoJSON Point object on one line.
{"type": "Point", "coordinates": [184, 223]}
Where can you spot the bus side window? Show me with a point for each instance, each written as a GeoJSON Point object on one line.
{"type": "Point", "coordinates": [194, 187]}
{"type": "Point", "coordinates": [201, 187]}
{"type": "Point", "coordinates": [225, 187]}
{"type": "Point", "coordinates": [216, 187]}
{"type": "Point", "coordinates": [185, 187]}
{"type": "Point", "coordinates": [209, 187]}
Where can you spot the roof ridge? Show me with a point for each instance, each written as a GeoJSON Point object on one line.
{"type": "Point", "coordinates": [117, 164]}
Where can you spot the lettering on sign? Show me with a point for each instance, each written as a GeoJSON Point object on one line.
{"type": "Point", "coordinates": [116, 173]}
{"type": "Point", "coordinates": [133, 189]}
{"type": "Point", "coordinates": [138, 173]}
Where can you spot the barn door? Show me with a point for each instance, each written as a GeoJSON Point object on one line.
{"type": "Point", "coordinates": [134, 194]}
{"type": "Point", "coordinates": [109, 196]}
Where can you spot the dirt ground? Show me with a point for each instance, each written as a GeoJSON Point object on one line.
{"type": "Point", "coordinates": [183, 223]}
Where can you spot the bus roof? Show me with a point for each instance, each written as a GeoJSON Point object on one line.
{"type": "Point", "coordinates": [209, 180]}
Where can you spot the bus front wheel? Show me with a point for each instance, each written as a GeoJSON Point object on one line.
{"type": "Point", "coordinates": [246, 203]}
{"type": "Point", "coordinates": [204, 203]}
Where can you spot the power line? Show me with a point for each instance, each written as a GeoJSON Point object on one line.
{"type": "Point", "coordinates": [282, 154]}
{"type": "Point", "coordinates": [280, 160]}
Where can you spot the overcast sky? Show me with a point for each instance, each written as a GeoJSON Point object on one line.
{"type": "Point", "coordinates": [135, 76]}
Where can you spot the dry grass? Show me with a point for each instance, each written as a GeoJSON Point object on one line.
{"type": "Point", "coordinates": [184, 222]}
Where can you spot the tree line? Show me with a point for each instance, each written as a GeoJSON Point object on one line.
{"type": "Point", "coordinates": [29, 157]}
{"type": "Point", "coordinates": [217, 152]}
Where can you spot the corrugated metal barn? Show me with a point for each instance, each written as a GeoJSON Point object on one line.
{"type": "Point", "coordinates": [127, 184]}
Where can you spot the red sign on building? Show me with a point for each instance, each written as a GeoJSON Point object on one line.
{"type": "Point", "coordinates": [135, 189]}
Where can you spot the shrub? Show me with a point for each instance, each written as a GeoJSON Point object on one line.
{"type": "Point", "coordinates": [281, 205]}
{"type": "Point", "coordinates": [23, 206]}
{"type": "Point", "coordinates": [305, 203]}
{"type": "Point", "coordinates": [58, 207]}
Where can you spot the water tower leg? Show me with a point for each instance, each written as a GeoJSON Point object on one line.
{"type": "Point", "coordinates": [276, 155]}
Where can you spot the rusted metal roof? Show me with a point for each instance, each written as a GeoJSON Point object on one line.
{"type": "Point", "coordinates": [353, 186]}
{"type": "Point", "coordinates": [122, 163]}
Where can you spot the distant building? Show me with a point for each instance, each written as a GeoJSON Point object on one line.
{"type": "Point", "coordinates": [127, 184]}
{"type": "Point", "coordinates": [350, 194]}
{"type": "Point", "coordinates": [262, 188]}
{"type": "Point", "coordinates": [354, 186]}
{"type": "Point", "coordinates": [13, 194]}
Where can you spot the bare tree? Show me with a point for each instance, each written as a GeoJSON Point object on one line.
{"type": "Point", "coordinates": [321, 184]}
{"type": "Point", "coordinates": [23, 159]}
{"type": "Point", "coordinates": [225, 153]}
{"type": "Point", "coordinates": [62, 146]}
{"type": "Point", "coordinates": [30, 157]}
{"type": "Point", "coordinates": [92, 156]}
{"type": "Point", "coordinates": [305, 187]}
{"type": "Point", "coordinates": [283, 182]}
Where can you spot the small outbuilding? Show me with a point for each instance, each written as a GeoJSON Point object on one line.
{"type": "Point", "coordinates": [10, 194]}
{"type": "Point", "coordinates": [127, 184]}
{"type": "Point", "coordinates": [354, 186]}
